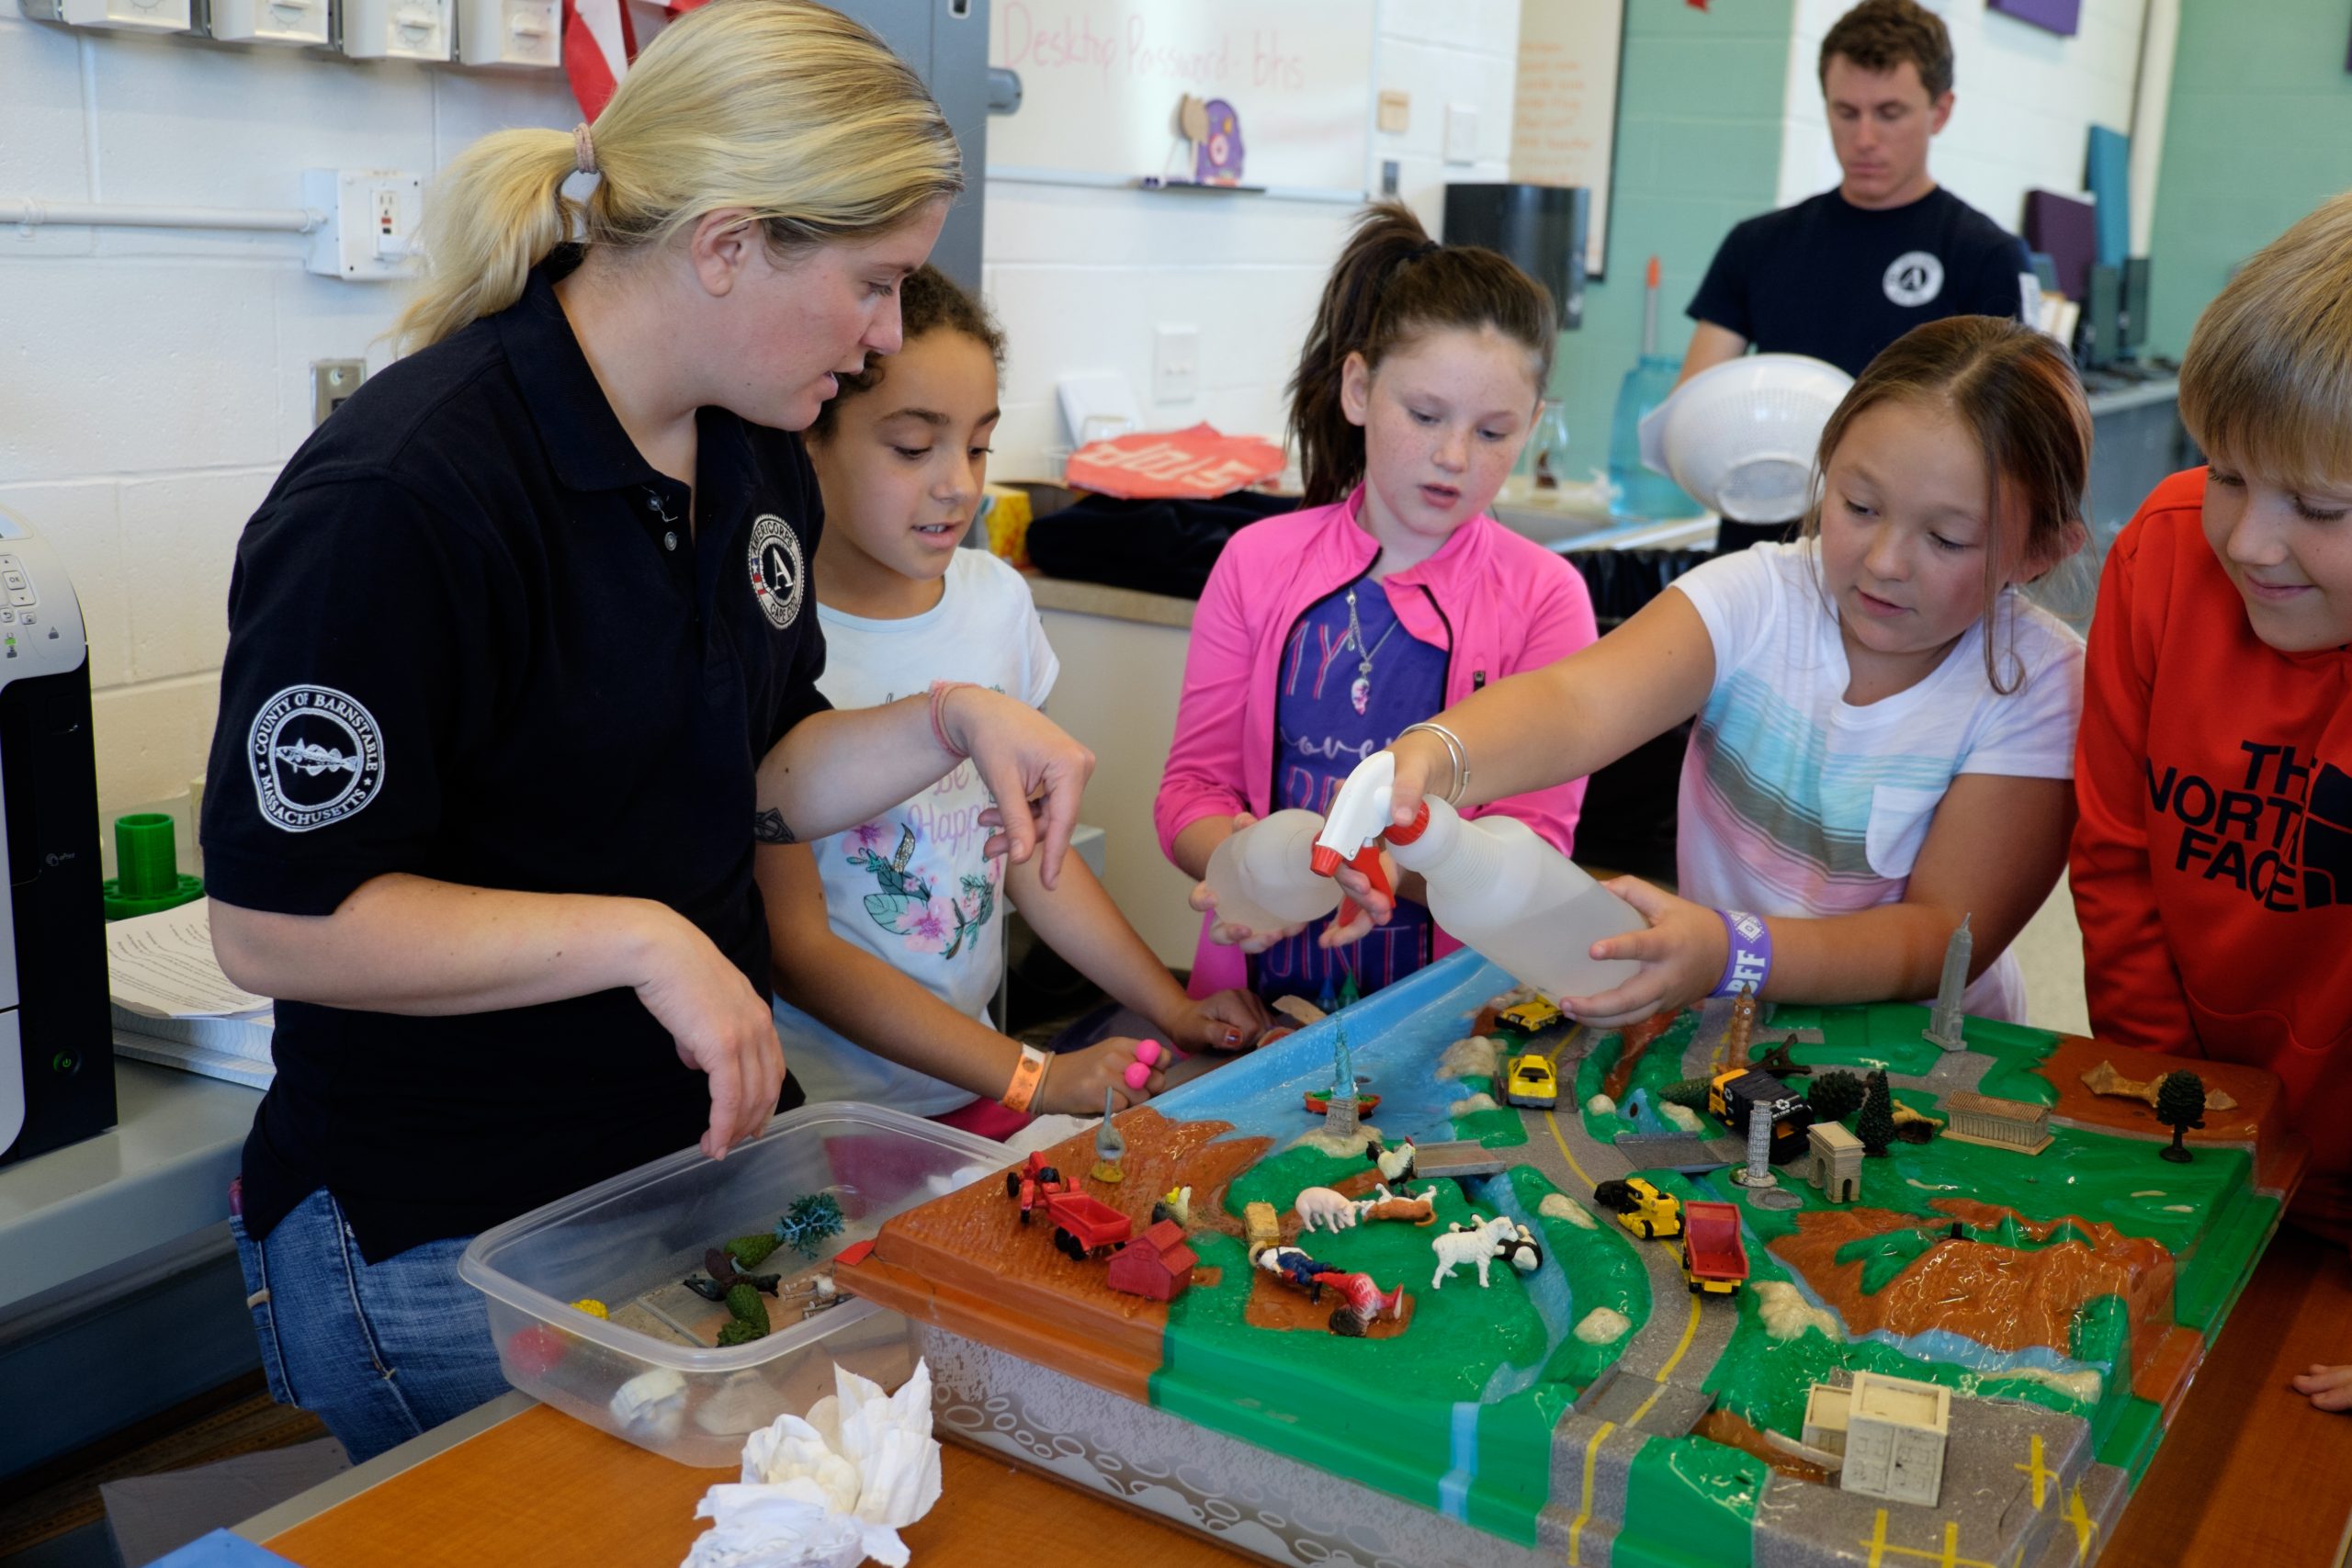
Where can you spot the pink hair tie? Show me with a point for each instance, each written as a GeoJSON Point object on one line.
{"type": "Point", "coordinates": [939, 690]}
{"type": "Point", "coordinates": [584, 149]}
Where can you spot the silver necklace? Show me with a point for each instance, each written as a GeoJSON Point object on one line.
{"type": "Point", "coordinates": [1359, 695]}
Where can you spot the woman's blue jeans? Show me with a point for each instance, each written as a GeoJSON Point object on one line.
{"type": "Point", "coordinates": [378, 1352]}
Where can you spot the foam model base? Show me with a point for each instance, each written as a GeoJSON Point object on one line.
{"type": "Point", "coordinates": [1596, 1407]}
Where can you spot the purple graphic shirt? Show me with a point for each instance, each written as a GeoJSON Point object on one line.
{"type": "Point", "coordinates": [1329, 714]}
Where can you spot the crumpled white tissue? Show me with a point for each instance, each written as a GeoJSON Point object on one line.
{"type": "Point", "coordinates": [831, 1489]}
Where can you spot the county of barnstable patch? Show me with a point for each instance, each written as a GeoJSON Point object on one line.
{"type": "Point", "coordinates": [317, 756]}
{"type": "Point", "coordinates": [776, 574]}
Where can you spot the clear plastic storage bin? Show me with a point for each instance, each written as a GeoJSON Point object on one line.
{"type": "Point", "coordinates": [633, 1239]}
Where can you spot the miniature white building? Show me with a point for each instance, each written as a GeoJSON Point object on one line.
{"type": "Point", "coordinates": [1998, 1123]}
{"type": "Point", "coordinates": [1890, 1432]}
{"type": "Point", "coordinates": [1944, 1020]}
{"type": "Point", "coordinates": [1834, 1161]}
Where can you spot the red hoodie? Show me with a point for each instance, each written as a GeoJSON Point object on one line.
{"type": "Point", "coordinates": [2212, 864]}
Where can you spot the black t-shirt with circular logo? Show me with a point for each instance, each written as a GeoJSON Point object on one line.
{"type": "Point", "coordinates": [473, 637]}
{"type": "Point", "coordinates": [1840, 282]}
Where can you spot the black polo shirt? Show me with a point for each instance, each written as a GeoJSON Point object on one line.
{"type": "Point", "coordinates": [472, 637]}
{"type": "Point", "coordinates": [1840, 282]}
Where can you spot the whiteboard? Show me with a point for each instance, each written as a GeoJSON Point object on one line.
{"type": "Point", "coordinates": [1564, 109]}
{"type": "Point", "coordinates": [1100, 79]}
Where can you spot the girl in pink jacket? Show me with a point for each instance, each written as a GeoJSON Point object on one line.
{"type": "Point", "coordinates": [1323, 634]}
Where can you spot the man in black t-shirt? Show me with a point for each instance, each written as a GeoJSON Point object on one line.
{"type": "Point", "coordinates": [1843, 274]}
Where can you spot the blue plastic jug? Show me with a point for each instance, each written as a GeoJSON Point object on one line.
{"type": "Point", "coordinates": [1636, 492]}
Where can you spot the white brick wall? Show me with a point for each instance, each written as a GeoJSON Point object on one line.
{"type": "Point", "coordinates": [2026, 99]}
{"type": "Point", "coordinates": [154, 381]}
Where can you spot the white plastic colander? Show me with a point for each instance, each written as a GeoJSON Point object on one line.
{"type": "Point", "coordinates": [1739, 437]}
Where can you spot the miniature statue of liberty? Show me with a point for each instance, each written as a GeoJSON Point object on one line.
{"type": "Point", "coordinates": [1339, 1120]}
{"type": "Point", "coordinates": [1944, 1023]}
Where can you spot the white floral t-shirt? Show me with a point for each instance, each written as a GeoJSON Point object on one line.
{"type": "Point", "coordinates": [911, 885]}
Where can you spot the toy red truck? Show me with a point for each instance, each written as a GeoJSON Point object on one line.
{"type": "Point", "coordinates": [1033, 1183]}
{"type": "Point", "coordinates": [1086, 1226]}
{"type": "Point", "coordinates": [1714, 1259]}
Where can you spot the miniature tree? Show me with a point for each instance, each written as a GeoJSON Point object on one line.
{"type": "Point", "coordinates": [813, 1219]}
{"type": "Point", "coordinates": [1835, 1095]}
{"type": "Point", "coordinates": [2180, 1105]}
{"type": "Point", "coordinates": [1688, 1093]}
{"type": "Point", "coordinates": [1875, 1126]}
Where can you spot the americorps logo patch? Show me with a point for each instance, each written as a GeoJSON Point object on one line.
{"type": "Point", "coordinates": [317, 756]}
{"type": "Point", "coordinates": [776, 574]}
{"type": "Point", "coordinates": [1913, 277]}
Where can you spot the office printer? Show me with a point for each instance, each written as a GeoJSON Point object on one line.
{"type": "Point", "coordinates": [56, 1038]}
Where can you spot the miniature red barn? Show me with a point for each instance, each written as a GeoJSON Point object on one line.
{"type": "Point", "coordinates": [1156, 1264]}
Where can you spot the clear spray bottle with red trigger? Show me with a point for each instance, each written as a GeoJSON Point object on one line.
{"type": "Point", "coordinates": [1493, 884]}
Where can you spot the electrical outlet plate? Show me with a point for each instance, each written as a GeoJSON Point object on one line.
{"type": "Point", "coordinates": [332, 380]}
{"type": "Point", "coordinates": [130, 16]}
{"type": "Point", "coordinates": [1176, 365]}
{"type": "Point", "coordinates": [510, 32]}
{"type": "Point", "coordinates": [395, 29]}
{"type": "Point", "coordinates": [370, 217]}
{"type": "Point", "coordinates": [299, 22]}
{"type": "Point", "coordinates": [1461, 133]}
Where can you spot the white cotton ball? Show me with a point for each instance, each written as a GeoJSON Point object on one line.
{"type": "Point", "coordinates": [1602, 1326]}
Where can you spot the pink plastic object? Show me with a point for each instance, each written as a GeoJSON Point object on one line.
{"type": "Point", "coordinates": [1147, 1057]}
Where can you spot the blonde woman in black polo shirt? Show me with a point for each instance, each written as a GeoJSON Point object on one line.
{"type": "Point", "coordinates": [521, 664]}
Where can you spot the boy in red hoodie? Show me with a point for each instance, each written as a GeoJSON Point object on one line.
{"type": "Point", "coordinates": [2211, 865]}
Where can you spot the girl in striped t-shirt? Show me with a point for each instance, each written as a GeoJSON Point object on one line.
{"type": "Point", "coordinates": [1885, 727]}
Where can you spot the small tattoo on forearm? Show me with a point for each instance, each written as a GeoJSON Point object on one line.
{"type": "Point", "coordinates": [769, 828]}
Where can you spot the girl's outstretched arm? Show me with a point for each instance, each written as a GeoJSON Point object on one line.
{"type": "Point", "coordinates": [1544, 727]}
{"type": "Point", "coordinates": [1992, 853]}
{"type": "Point", "coordinates": [889, 1012]}
{"type": "Point", "coordinates": [1078, 920]}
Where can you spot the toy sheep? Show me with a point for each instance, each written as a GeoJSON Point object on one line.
{"type": "Point", "coordinates": [1480, 1243]}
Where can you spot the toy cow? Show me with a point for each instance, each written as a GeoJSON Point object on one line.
{"type": "Point", "coordinates": [1521, 1250]}
{"type": "Point", "coordinates": [1480, 1243]}
{"type": "Point", "coordinates": [1421, 1210]}
{"type": "Point", "coordinates": [1395, 1165]}
{"type": "Point", "coordinates": [1365, 1301]}
{"type": "Point", "coordinates": [1325, 1208]}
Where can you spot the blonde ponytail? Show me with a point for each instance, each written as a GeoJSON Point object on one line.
{"type": "Point", "coordinates": [497, 211]}
{"type": "Point", "coordinates": [782, 107]}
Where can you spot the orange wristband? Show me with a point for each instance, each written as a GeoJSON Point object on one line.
{"type": "Point", "coordinates": [1027, 1074]}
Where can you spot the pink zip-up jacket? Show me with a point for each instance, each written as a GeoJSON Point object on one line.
{"type": "Point", "coordinates": [1497, 603]}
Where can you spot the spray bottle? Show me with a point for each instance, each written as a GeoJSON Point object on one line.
{"type": "Point", "coordinates": [1263, 877]}
{"type": "Point", "coordinates": [1493, 884]}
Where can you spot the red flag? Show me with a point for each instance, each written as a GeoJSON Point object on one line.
{"type": "Point", "coordinates": [598, 44]}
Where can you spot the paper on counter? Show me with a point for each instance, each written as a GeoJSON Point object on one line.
{"type": "Point", "coordinates": [162, 966]}
{"type": "Point", "coordinates": [831, 1490]}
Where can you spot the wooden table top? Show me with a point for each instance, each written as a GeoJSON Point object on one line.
{"type": "Point", "coordinates": [2251, 1474]}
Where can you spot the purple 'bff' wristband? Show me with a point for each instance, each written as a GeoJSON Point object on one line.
{"type": "Point", "coordinates": [1752, 953]}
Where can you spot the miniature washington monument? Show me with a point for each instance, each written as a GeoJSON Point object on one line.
{"type": "Point", "coordinates": [1943, 1022]}
{"type": "Point", "coordinates": [1339, 1120]}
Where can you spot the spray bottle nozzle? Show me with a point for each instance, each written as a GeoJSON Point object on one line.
{"type": "Point", "coordinates": [1325, 861]}
{"type": "Point", "coordinates": [1413, 830]}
